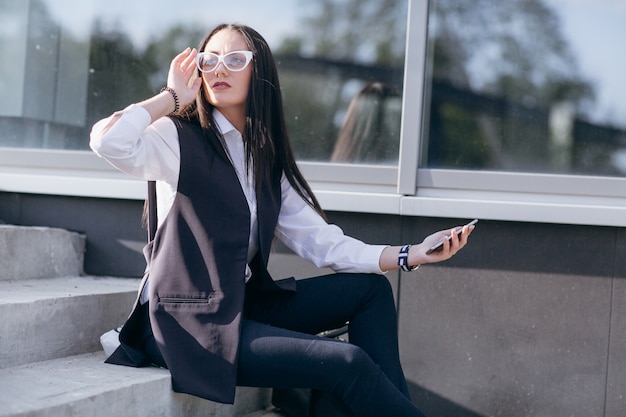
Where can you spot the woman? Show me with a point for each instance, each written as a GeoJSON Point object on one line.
{"type": "Point", "coordinates": [227, 185]}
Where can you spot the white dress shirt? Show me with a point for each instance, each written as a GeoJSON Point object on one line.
{"type": "Point", "coordinates": [151, 152]}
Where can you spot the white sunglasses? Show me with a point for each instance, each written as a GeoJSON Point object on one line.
{"type": "Point", "coordinates": [233, 61]}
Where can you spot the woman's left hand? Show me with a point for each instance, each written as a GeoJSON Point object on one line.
{"type": "Point", "coordinates": [418, 253]}
{"type": "Point", "coordinates": [452, 243]}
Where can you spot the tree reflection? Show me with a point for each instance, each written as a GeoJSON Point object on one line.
{"type": "Point", "coordinates": [122, 72]}
{"type": "Point", "coordinates": [343, 46]}
{"type": "Point", "coordinates": [119, 73]}
{"type": "Point", "coordinates": [507, 93]}
{"type": "Point", "coordinates": [321, 67]}
{"type": "Point", "coordinates": [511, 49]}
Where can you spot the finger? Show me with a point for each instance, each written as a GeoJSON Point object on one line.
{"type": "Point", "coordinates": [454, 239]}
{"type": "Point", "coordinates": [182, 69]}
{"type": "Point", "coordinates": [464, 234]}
{"type": "Point", "coordinates": [184, 62]}
{"type": "Point", "coordinates": [179, 58]}
{"type": "Point", "coordinates": [467, 231]}
{"type": "Point", "coordinates": [447, 242]}
{"type": "Point", "coordinates": [189, 62]}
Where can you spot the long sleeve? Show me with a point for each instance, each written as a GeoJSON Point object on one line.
{"type": "Point", "coordinates": [303, 231]}
{"type": "Point", "coordinates": [134, 146]}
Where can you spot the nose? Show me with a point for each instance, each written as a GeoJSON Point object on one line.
{"type": "Point", "coordinates": [220, 69]}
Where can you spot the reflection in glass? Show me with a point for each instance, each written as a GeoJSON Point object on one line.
{"type": "Point", "coordinates": [68, 64]}
{"type": "Point", "coordinates": [509, 91]}
{"type": "Point", "coordinates": [43, 77]}
{"type": "Point", "coordinates": [371, 128]}
{"type": "Point", "coordinates": [343, 45]}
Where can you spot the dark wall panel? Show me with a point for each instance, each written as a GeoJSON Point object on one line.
{"type": "Point", "coordinates": [113, 227]}
{"type": "Point", "coordinates": [616, 378]}
{"type": "Point", "coordinates": [518, 323]}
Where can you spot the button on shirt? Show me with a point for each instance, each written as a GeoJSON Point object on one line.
{"type": "Point", "coordinates": [151, 152]}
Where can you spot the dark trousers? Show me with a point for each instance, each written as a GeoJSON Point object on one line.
{"type": "Point", "coordinates": [279, 347]}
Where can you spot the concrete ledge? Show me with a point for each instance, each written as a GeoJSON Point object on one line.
{"type": "Point", "coordinates": [39, 252]}
{"type": "Point", "coordinates": [50, 318]}
{"type": "Point", "coordinates": [85, 386]}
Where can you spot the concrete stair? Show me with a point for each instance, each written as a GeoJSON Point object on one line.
{"type": "Point", "coordinates": [51, 361]}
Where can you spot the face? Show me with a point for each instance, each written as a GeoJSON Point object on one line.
{"type": "Point", "coordinates": [227, 90]}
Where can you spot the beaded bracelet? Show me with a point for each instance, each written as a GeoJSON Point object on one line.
{"type": "Point", "coordinates": [173, 93]}
{"type": "Point", "coordinates": [403, 259]}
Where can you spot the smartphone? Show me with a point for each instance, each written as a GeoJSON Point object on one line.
{"type": "Point", "coordinates": [439, 244]}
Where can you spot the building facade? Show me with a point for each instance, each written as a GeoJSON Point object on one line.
{"type": "Point", "coordinates": [509, 112]}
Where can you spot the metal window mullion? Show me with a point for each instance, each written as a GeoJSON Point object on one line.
{"type": "Point", "coordinates": [412, 104]}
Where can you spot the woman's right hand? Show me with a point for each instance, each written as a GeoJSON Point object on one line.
{"type": "Point", "coordinates": [179, 80]}
{"type": "Point", "coordinates": [182, 71]}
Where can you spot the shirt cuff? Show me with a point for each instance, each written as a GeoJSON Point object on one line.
{"type": "Point", "coordinates": [136, 116]}
{"type": "Point", "coordinates": [370, 258]}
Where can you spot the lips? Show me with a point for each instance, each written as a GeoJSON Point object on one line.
{"type": "Point", "coordinates": [220, 85]}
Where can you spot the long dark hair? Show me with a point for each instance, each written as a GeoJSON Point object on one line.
{"type": "Point", "coordinates": [370, 128]}
{"type": "Point", "coordinates": [265, 137]}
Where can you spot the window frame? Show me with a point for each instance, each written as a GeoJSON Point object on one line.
{"type": "Point", "coordinates": [405, 190]}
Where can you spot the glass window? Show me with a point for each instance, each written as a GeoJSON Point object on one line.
{"type": "Point", "coordinates": [67, 64]}
{"type": "Point", "coordinates": [526, 86]}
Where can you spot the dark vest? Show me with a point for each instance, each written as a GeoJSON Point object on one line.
{"type": "Point", "coordinates": [196, 265]}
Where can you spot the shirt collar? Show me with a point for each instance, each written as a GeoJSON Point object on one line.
{"type": "Point", "coordinates": [222, 123]}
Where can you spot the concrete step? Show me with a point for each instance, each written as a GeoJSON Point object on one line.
{"type": "Point", "coordinates": [51, 318]}
{"type": "Point", "coordinates": [39, 252]}
{"type": "Point", "coordinates": [84, 385]}
{"type": "Point", "coordinates": [51, 361]}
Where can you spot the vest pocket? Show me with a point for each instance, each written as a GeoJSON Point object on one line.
{"type": "Point", "coordinates": [205, 301]}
